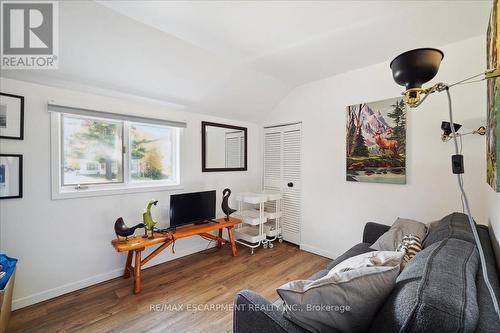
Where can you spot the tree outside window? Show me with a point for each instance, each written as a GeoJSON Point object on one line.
{"type": "Point", "coordinates": [92, 151]}
{"type": "Point", "coordinates": [151, 155]}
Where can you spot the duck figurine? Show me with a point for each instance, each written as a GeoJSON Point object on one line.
{"type": "Point", "coordinates": [149, 223]}
{"type": "Point", "coordinates": [121, 229]}
{"type": "Point", "coordinates": [225, 203]}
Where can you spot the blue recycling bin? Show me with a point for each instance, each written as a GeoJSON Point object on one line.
{"type": "Point", "coordinates": [7, 265]}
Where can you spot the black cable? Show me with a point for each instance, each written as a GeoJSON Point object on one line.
{"type": "Point", "coordinates": [469, 214]}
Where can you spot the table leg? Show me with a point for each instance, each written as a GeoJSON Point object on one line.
{"type": "Point", "coordinates": [155, 252]}
{"type": "Point", "coordinates": [128, 265]}
{"type": "Point", "coordinates": [233, 243]}
{"type": "Point", "coordinates": [137, 272]}
{"type": "Point", "coordinates": [219, 243]}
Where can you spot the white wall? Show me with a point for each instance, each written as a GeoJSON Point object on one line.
{"type": "Point", "coordinates": [334, 210]}
{"type": "Point", "coordinates": [64, 245]}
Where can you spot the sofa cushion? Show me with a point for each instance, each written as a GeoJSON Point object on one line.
{"type": "Point", "coordinates": [435, 293]}
{"type": "Point", "coordinates": [455, 225]}
{"type": "Point", "coordinates": [353, 251]}
{"type": "Point", "coordinates": [390, 240]}
{"type": "Point", "coordinates": [488, 319]}
{"type": "Point", "coordinates": [347, 298]}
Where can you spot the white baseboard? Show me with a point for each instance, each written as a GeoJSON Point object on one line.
{"type": "Point", "coordinates": [318, 251]}
{"type": "Point", "coordinates": [73, 286]}
{"type": "Point", "coordinates": [64, 289]}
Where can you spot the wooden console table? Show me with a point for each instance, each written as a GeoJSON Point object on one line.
{"type": "Point", "coordinates": [138, 244]}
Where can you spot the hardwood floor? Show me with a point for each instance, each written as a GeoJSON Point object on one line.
{"type": "Point", "coordinates": [202, 278]}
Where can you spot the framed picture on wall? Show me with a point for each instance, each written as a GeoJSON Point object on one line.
{"type": "Point", "coordinates": [11, 116]}
{"type": "Point", "coordinates": [11, 176]}
{"type": "Point", "coordinates": [376, 142]}
{"type": "Point", "coordinates": [493, 98]}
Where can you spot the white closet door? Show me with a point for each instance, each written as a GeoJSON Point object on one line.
{"type": "Point", "coordinates": [273, 159]}
{"type": "Point", "coordinates": [282, 164]}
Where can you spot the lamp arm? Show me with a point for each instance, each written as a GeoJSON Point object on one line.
{"type": "Point", "coordinates": [438, 87]}
{"type": "Point", "coordinates": [412, 96]}
{"type": "Point", "coordinates": [492, 73]}
{"type": "Point", "coordinates": [481, 131]}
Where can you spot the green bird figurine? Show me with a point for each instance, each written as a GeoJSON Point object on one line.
{"type": "Point", "coordinates": [149, 223]}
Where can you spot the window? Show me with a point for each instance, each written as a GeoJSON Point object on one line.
{"type": "Point", "coordinates": [92, 151]}
{"type": "Point", "coordinates": [98, 153]}
{"type": "Point", "coordinates": [151, 153]}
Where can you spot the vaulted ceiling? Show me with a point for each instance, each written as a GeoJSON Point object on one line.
{"type": "Point", "coordinates": [238, 59]}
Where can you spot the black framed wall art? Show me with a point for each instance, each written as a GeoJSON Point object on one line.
{"type": "Point", "coordinates": [11, 116]}
{"type": "Point", "coordinates": [11, 176]}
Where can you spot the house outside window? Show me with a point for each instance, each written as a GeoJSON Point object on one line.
{"type": "Point", "coordinates": [91, 151]}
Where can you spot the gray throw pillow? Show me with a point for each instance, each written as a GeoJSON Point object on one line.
{"type": "Point", "coordinates": [347, 298]}
{"type": "Point", "coordinates": [390, 240]}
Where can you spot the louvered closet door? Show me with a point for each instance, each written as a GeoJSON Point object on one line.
{"type": "Point", "coordinates": [282, 162]}
{"type": "Point", "coordinates": [235, 145]}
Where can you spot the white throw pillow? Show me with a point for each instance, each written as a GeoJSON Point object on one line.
{"type": "Point", "coordinates": [390, 240]}
{"type": "Point", "coordinates": [369, 259]}
{"type": "Point", "coordinates": [347, 298]}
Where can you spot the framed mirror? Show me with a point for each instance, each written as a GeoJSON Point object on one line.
{"type": "Point", "coordinates": [224, 147]}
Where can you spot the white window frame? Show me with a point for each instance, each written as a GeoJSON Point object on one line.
{"type": "Point", "coordinates": [59, 191]}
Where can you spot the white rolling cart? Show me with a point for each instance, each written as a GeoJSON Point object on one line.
{"type": "Point", "coordinates": [251, 212]}
{"type": "Point", "coordinates": [255, 209]}
{"type": "Point", "coordinates": [273, 210]}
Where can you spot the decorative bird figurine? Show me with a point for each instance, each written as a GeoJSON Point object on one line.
{"type": "Point", "coordinates": [121, 229]}
{"type": "Point", "coordinates": [149, 223]}
{"type": "Point", "coordinates": [225, 204]}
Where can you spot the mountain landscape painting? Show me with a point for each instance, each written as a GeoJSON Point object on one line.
{"type": "Point", "coordinates": [493, 105]}
{"type": "Point", "coordinates": [376, 142]}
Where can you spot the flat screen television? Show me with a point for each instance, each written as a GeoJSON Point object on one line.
{"type": "Point", "coordinates": [188, 208]}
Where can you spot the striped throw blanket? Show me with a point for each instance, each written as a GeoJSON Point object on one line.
{"type": "Point", "coordinates": [411, 245]}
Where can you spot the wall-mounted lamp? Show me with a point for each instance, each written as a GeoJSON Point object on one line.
{"type": "Point", "coordinates": [448, 133]}
{"type": "Point", "coordinates": [414, 68]}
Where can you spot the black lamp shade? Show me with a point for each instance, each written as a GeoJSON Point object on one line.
{"type": "Point", "coordinates": [446, 127]}
{"type": "Point", "coordinates": [414, 68]}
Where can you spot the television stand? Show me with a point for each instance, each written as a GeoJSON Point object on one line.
{"type": "Point", "coordinates": [135, 246]}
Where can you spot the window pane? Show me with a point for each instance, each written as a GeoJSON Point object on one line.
{"type": "Point", "coordinates": [151, 152]}
{"type": "Point", "coordinates": [92, 151]}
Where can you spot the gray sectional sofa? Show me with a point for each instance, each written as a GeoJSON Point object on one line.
{"type": "Point", "coordinates": [441, 289]}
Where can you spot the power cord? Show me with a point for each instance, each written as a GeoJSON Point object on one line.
{"type": "Point", "coordinates": [171, 230]}
{"type": "Point", "coordinates": [460, 175]}
{"type": "Point", "coordinates": [210, 241]}
{"type": "Point", "coordinates": [469, 215]}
